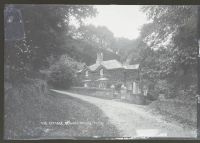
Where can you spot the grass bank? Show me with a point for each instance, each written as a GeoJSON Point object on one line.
{"type": "Point", "coordinates": [78, 118]}
{"type": "Point", "coordinates": [31, 111]}
{"type": "Point", "coordinates": [182, 111]}
{"type": "Point", "coordinates": [23, 108]}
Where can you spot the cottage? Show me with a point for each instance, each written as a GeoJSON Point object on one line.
{"type": "Point", "coordinates": [105, 74]}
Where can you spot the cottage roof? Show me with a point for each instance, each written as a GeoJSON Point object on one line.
{"type": "Point", "coordinates": [112, 64]}
{"type": "Point", "coordinates": [94, 67]}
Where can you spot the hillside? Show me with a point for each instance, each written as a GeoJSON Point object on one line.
{"type": "Point", "coordinates": [84, 52]}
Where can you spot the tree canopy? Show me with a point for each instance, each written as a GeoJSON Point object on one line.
{"type": "Point", "coordinates": [99, 37]}
{"type": "Point", "coordinates": [47, 28]}
{"type": "Point", "coordinates": [170, 44]}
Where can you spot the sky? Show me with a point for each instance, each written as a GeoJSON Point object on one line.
{"type": "Point", "coordinates": [123, 20]}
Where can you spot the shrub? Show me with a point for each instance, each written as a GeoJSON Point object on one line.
{"type": "Point", "coordinates": [166, 88]}
{"type": "Point", "coordinates": [152, 95]}
{"type": "Point", "coordinates": [161, 86]}
{"type": "Point", "coordinates": [62, 77]}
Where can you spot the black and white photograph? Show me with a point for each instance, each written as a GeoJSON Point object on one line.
{"type": "Point", "coordinates": [101, 71]}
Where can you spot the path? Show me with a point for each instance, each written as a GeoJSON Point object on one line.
{"type": "Point", "coordinates": [134, 120]}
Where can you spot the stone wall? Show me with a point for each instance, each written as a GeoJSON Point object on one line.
{"type": "Point", "coordinates": [91, 91]}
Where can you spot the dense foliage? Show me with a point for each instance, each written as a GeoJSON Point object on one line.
{"type": "Point", "coordinates": [99, 37]}
{"type": "Point", "coordinates": [47, 37]}
{"type": "Point", "coordinates": [170, 50]}
{"type": "Point", "coordinates": [62, 74]}
{"type": "Point", "coordinates": [47, 33]}
{"type": "Point", "coordinates": [61, 77]}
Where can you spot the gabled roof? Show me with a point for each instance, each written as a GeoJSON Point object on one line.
{"type": "Point", "coordinates": [94, 67]}
{"type": "Point", "coordinates": [112, 64]}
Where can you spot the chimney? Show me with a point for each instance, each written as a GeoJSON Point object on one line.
{"type": "Point", "coordinates": [99, 58]}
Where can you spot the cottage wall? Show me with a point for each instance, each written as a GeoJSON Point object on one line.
{"type": "Point", "coordinates": [115, 75]}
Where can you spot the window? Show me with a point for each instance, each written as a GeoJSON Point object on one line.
{"type": "Point", "coordinates": [101, 72]}
{"type": "Point", "coordinates": [86, 73]}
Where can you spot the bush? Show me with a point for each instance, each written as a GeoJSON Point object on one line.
{"type": "Point", "coordinates": [62, 77]}
{"type": "Point", "coordinates": [152, 91]}
{"type": "Point", "coordinates": [152, 95]}
{"type": "Point", "coordinates": [163, 87]}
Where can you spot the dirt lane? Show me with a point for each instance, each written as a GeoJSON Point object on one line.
{"type": "Point", "coordinates": [134, 120]}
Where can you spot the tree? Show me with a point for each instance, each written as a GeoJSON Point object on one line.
{"type": "Point", "coordinates": [172, 34]}
{"type": "Point", "coordinates": [62, 74]}
{"type": "Point", "coordinates": [47, 29]}
{"type": "Point", "coordinates": [99, 37]}
{"type": "Point", "coordinates": [175, 29]}
{"type": "Point", "coordinates": [61, 77]}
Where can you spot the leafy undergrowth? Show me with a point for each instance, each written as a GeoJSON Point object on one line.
{"type": "Point", "coordinates": [22, 108]}
{"type": "Point", "coordinates": [29, 105]}
{"type": "Point", "coordinates": [181, 111]}
{"type": "Point", "coordinates": [78, 119]}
